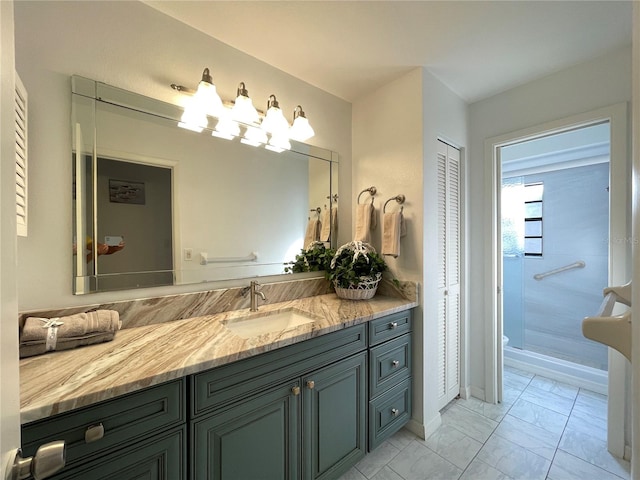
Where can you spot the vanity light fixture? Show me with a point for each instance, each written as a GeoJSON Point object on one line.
{"type": "Point", "coordinates": [205, 101]}
{"type": "Point", "coordinates": [232, 116]}
{"type": "Point", "coordinates": [226, 127]}
{"type": "Point", "coordinates": [300, 130]}
{"type": "Point", "coordinates": [278, 143]}
{"type": "Point", "coordinates": [254, 136]}
{"type": "Point", "coordinates": [207, 95]}
{"type": "Point", "coordinates": [194, 117]}
{"type": "Point", "coordinates": [274, 121]}
{"type": "Point", "coordinates": [243, 109]}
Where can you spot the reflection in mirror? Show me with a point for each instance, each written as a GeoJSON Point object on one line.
{"type": "Point", "coordinates": [157, 205]}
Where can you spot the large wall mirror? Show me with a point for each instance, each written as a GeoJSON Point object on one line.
{"type": "Point", "coordinates": [155, 204]}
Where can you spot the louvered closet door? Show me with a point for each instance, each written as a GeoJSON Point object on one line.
{"type": "Point", "coordinates": [448, 273]}
{"type": "Point", "coordinates": [21, 157]}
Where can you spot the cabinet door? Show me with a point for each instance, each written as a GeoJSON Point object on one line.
{"type": "Point", "coordinates": [162, 458]}
{"type": "Point", "coordinates": [334, 418]}
{"type": "Point", "coordinates": [256, 439]}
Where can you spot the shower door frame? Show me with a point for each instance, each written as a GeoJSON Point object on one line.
{"type": "Point", "coordinates": [619, 251]}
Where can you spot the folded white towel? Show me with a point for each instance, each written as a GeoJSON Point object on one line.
{"type": "Point", "coordinates": [365, 222]}
{"type": "Point", "coordinates": [391, 233]}
{"type": "Point", "coordinates": [313, 232]}
{"type": "Point", "coordinates": [325, 233]}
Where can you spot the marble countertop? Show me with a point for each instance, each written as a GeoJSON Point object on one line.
{"type": "Point", "coordinates": [152, 354]}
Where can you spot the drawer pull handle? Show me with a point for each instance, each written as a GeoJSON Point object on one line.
{"type": "Point", "coordinates": [295, 390]}
{"type": "Point", "coordinates": [94, 433]}
{"type": "Point", "coordinates": [393, 325]}
{"type": "Point", "coordinates": [395, 412]}
{"type": "Point", "coordinates": [395, 363]}
{"type": "Point", "coordinates": [310, 384]}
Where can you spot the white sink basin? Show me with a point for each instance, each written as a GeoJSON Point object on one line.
{"type": "Point", "coordinates": [269, 322]}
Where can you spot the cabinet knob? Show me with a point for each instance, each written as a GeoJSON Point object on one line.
{"type": "Point", "coordinates": [94, 433]}
{"type": "Point", "coordinates": [393, 325]}
{"type": "Point", "coordinates": [310, 384]}
{"type": "Point", "coordinates": [395, 412]}
{"type": "Point", "coordinates": [295, 390]}
{"type": "Point", "coordinates": [395, 363]}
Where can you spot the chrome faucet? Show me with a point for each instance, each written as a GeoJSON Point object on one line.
{"type": "Point", "coordinates": [255, 291]}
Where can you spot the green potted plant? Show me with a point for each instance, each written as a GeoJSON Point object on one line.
{"type": "Point", "coordinates": [316, 258]}
{"type": "Point", "coordinates": [356, 270]}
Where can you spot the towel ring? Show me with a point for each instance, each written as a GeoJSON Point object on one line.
{"type": "Point", "coordinates": [318, 210]}
{"type": "Point", "coordinates": [372, 191]}
{"type": "Point", "coordinates": [398, 198]}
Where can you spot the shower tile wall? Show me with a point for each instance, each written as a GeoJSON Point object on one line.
{"type": "Point", "coordinates": [547, 316]}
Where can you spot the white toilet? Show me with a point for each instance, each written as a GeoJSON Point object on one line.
{"type": "Point", "coordinates": [505, 341]}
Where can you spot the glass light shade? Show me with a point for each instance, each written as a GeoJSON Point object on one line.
{"type": "Point", "coordinates": [278, 143]}
{"type": "Point", "coordinates": [275, 123]}
{"type": "Point", "coordinates": [254, 137]}
{"type": "Point", "coordinates": [226, 127]}
{"type": "Point", "coordinates": [208, 99]}
{"type": "Point", "coordinates": [301, 130]}
{"type": "Point", "coordinates": [244, 111]}
{"type": "Point", "coordinates": [193, 118]}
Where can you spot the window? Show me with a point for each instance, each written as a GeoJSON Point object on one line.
{"type": "Point", "coordinates": [533, 219]}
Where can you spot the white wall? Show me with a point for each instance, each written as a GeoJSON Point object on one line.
{"type": "Point", "coordinates": [602, 82]}
{"type": "Point", "coordinates": [9, 390]}
{"type": "Point", "coordinates": [395, 150]}
{"type": "Point", "coordinates": [135, 47]}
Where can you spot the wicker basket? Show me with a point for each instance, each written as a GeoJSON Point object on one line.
{"type": "Point", "coordinates": [364, 290]}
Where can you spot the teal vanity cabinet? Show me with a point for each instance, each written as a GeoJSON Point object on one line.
{"type": "Point", "coordinates": [298, 412]}
{"type": "Point", "coordinates": [134, 436]}
{"type": "Point", "coordinates": [389, 376]}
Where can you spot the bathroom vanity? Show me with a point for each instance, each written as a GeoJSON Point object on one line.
{"type": "Point", "coordinates": [305, 402]}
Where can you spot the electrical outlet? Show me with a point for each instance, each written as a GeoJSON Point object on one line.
{"type": "Point", "coordinates": [188, 254]}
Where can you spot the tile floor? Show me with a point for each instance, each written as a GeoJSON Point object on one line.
{"type": "Point", "coordinates": [543, 430]}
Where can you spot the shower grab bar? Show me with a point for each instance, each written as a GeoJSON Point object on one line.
{"type": "Point", "coordinates": [578, 264]}
{"type": "Point", "coordinates": [204, 259]}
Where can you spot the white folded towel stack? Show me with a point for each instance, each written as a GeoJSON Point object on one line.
{"type": "Point", "coordinates": [313, 232]}
{"type": "Point", "coordinates": [325, 233]}
{"type": "Point", "coordinates": [392, 229]}
{"type": "Point", "coordinates": [365, 222]}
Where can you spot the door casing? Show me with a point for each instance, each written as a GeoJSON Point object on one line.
{"type": "Point", "coordinates": [619, 251]}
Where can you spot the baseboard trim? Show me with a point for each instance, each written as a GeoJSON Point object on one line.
{"type": "Point", "coordinates": [477, 392]}
{"type": "Point", "coordinates": [416, 428]}
{"type": "Point", "coordinates": [432, 425]}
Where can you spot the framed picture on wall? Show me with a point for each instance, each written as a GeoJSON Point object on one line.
{"type": "Point", "coordinates": [125, 191]}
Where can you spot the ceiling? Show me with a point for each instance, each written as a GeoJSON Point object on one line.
{"type": "Point", "coordinates": [476, 48]}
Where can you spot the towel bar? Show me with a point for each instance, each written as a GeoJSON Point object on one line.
{"type": "Point", "coordinates": [204, 259]}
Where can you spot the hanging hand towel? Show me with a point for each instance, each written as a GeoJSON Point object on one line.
{"type": "Point", "coordinates": [364, 215]}
{"type": "Point", "coordinates": [325, 233]}
{"type": "Point", "coordinates": [334, 221]}
{"type": "Point", "coordinates": [41, 335]}
{"type": "Point", "coordinates": [313, 232]}
{"type": "Point", "coordinates": [391, 232]}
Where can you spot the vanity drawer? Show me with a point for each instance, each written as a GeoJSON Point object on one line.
{"type": "Point", "coordinates": [389, 413]}
{"type": "Point", "coordinates": [386, 328]}
{"type": "Point", "coordinates": [124, 419]}
{"type": "Point", "coordinates": [220, 387]}
{"type": "Point", "coordinates": [389, 363]}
